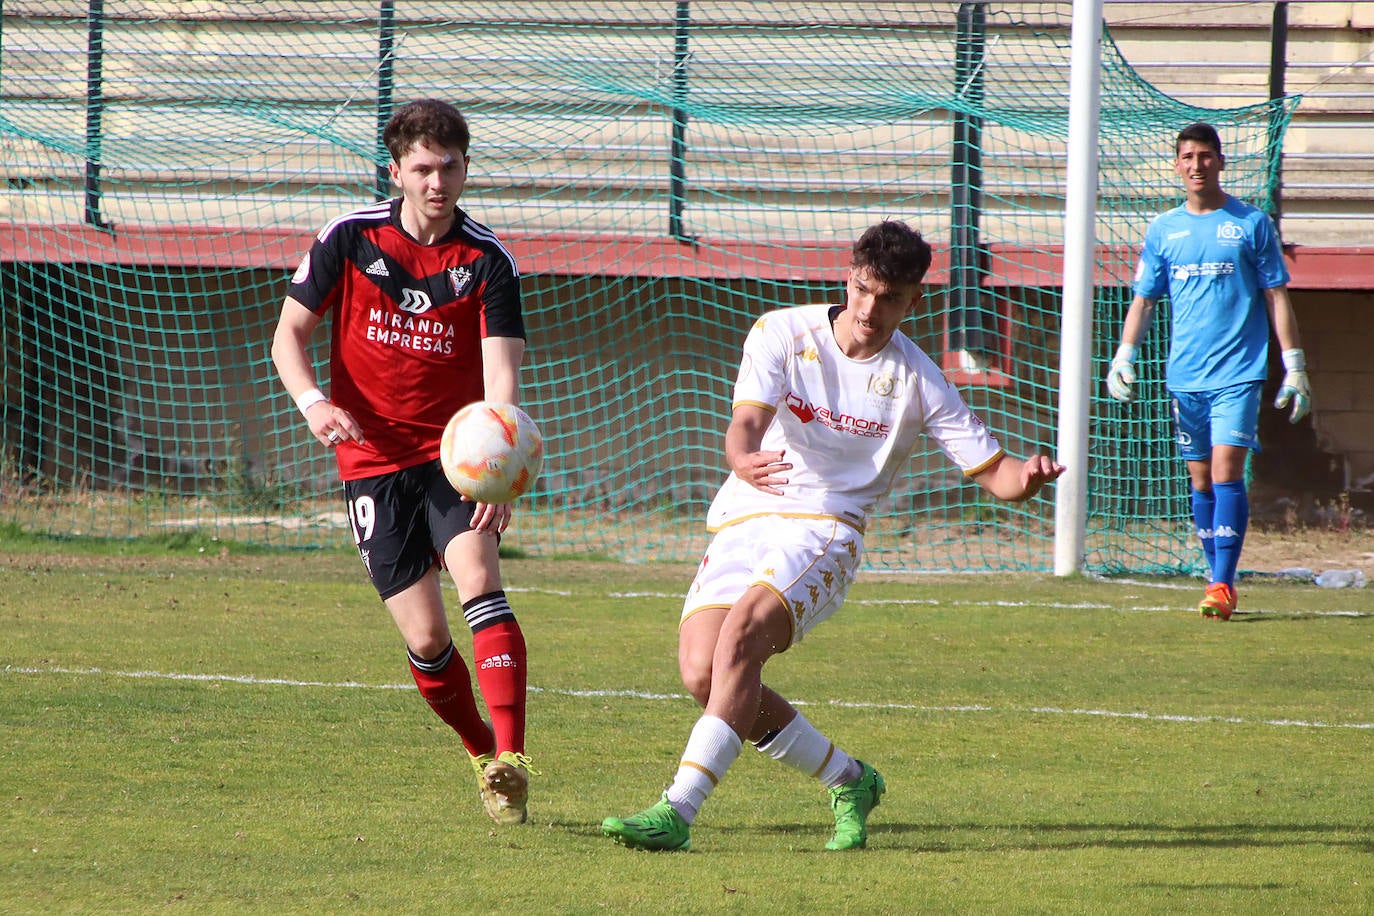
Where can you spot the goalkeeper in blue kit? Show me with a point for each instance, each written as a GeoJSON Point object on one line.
{"type": "Point", "coordinates": [1219, 262]}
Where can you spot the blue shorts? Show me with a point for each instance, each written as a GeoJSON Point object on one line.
{"type": "Point", "coordinates": [1227, 416]}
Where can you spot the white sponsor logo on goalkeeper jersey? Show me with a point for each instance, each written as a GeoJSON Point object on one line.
{"type": "Point", "coordinates": [1182, 233]}
{"type": "Point", "coordinates": [1205, 269]}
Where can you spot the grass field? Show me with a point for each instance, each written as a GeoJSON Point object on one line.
{"type": "Point", "coordinates": [237, 732]}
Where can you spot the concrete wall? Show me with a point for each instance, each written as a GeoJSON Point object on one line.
{"type": "Point", "coordinates": [1335, 332]}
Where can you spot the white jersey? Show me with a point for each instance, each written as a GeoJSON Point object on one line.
{"type": "Point", "coordinates": [847, 426]}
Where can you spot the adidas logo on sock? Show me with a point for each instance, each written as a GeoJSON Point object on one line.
{"type": "Point", "coordinates": [498, 661]}
{"type": "Point", "coordinates": [377, 269]}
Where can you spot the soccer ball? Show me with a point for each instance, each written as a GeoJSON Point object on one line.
{"type": "Point", "coordinates": [491, 452]}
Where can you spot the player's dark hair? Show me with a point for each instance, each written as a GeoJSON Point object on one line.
{"type": "Point", "coordinates": [1199, 132]}
{"type": "Point", "coordinates": [893, 252]}
{"type": "Point", "coordinates": [425, 121]}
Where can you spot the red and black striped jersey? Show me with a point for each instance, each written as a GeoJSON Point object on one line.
{"type": "Point", "coordinates": [408, 322]}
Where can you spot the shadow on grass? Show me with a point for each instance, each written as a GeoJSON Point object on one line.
{"type": "Point", "coordinates": [1294, 616]}
{"type": "Point", "coordinates": [1042, 837]}
{"type": "Point", "coordinates": [1212, 886]}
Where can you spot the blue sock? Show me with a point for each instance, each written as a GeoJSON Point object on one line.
{"type": "Point", "coordinates": [1204, 505]}
{"type": "Point", "coordinates": [1229, 519]}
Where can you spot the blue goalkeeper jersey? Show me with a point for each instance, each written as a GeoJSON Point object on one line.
{"type": "Point", "coordinates": [1214, 269]}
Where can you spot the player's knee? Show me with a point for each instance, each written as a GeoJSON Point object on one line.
{"type": "Point", "coordinates": [428, 645]}
{"type": "Point", "coordinates": [696, 677]}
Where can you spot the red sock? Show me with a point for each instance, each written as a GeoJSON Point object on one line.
{"type": "Point", "coordinates": [499, 651]}
{"type": "Point", "coordinates": [448, 691]}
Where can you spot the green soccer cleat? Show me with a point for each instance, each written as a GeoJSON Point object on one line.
{"type": "Point", "coordinates": [659, 829]}
{"type": "Point", "coordinates": [852, 803]}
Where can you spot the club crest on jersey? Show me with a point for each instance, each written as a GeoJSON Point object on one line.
{"type": "Point", "coordinates": [458, 278]}
{"type": "Point", "coordinates": [1230, 232]}
{"type": "Point", "coordinates": [415, 301]}
{"type": "Point", "coordinates": [884, 386]}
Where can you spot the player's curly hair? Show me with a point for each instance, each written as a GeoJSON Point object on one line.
{"type": "Point", "coordinates": [425, 121]}
{"type": "Point", "coordinates": [893, 252]}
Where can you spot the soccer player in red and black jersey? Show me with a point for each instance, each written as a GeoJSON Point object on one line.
{"type": "Point", "coordinates": [426, 318]}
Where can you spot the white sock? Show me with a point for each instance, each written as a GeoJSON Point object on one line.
{"type": "Point", "coordinates": [712, 747]}
{"type": "Point", "coordinates": [801, 747]}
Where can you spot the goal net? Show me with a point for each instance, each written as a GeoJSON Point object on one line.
{"type": "Point", "coordinates": [663, 171]}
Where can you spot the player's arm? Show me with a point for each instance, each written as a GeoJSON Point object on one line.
{"type": "Point", "coordinates": [1295, 386]}
{"type": "Point", "coordinates": [1137, 322]}
{"type": "Point", "coordinates": [743, 439]}
{"type": "Point", "coordinates": [1015, 480]}
{"type": "Point", "coordinates": [501, 359]}
{"type": "Point", "coordinates": [1283, 318]}
{"type": "Point", "coordinates": [290, 354]}
{"type": "Point", "coordinates": [1121, 375]}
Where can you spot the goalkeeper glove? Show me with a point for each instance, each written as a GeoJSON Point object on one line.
{"type": "Point", "coordinates": [1121, 377]}
{"type": "Point", "coordinates": [1295, 387]}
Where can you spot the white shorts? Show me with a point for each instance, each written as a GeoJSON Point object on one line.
{"type": "Point", "coordinates": [809, 563]}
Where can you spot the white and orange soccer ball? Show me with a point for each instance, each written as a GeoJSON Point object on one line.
{"type": "Point", "coordinates": [491, 452]}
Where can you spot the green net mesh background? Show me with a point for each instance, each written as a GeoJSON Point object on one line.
{"type": "Point", "coordinates": [663, 171]}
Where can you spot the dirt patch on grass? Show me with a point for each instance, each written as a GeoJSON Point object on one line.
{"type": "Point", "coordinates": [1272, 549]}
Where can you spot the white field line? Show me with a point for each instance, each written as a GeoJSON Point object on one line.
{"type": "Point", "coordinates": [1098, 606]}
{"type": "Point", "coordinates": [1056, 605]}
{"type": "Point", "coordinates": [639, 695]}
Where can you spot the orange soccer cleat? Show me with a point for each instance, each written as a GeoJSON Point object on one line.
{"type": "Point", "coordinates": [1219, 602]}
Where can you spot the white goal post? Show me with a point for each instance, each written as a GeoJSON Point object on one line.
{"type": "Point", "coordinates": [1075, 355]}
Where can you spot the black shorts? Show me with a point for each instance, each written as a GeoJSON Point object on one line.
{"type": "Point", "coordinates": [402, 521]}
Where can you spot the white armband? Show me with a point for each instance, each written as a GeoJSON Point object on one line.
{"type": "Point", "coordinates": [309, 399]}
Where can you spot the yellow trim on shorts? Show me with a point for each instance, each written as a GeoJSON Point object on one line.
{"type": "Point", "coordinates": [786, 609]}
{"type": "Point", "coordinates": [726, 608]}
{"type": "Point", "coordinates": [695, 610]}
{"type": "Point", "coordinates": [1001, 453]}
{"type": "Point", "coordinates": [813, 516]}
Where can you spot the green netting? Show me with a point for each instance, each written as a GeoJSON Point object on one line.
{"type": "Point", "coordinates": [664, 172]}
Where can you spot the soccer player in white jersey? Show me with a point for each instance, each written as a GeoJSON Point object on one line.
{"type": "Point", "coordinates": [828, 406]}
{"type": "Point", "coordinates": [1219, 261]}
